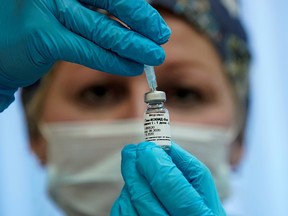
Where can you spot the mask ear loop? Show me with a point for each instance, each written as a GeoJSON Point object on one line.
{"type": "Point", "coordinates": [232, 133]}
{"type": "Point", "coordinates": [237, 131]}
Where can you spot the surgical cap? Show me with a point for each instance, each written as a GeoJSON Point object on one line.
{"type": "Point", "coordinates": [219, 21]}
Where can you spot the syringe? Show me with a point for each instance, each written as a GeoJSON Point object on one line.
{"type": "Point", "coordinates": [150, 76]}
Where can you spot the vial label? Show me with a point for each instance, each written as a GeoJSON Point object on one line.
{"type": "Point", "coordinates": [157, 129]}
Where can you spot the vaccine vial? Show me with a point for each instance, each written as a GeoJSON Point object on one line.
{"type": "Point", "coordinates": [156, 119]}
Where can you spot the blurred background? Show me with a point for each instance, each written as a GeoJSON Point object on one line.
{"type": "Point", "coordinates": [261, 187]}
{"type": "Point", "coordinates": [264, 171]}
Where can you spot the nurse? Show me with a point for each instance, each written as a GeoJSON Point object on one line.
{"type": "Point", "coordinates": [80, 119]}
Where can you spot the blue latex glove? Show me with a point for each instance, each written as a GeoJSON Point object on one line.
{"type": "Point", "coordinates": [34, 34]}
{"type": "Point", "coordinates": [159, 184]}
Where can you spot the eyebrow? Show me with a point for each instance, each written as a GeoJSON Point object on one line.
{"type": "Point", "coordinates": [188, 70]}
{"type": "Point", "coordinates": [175, 62]}
{"type": "Point", "coordinates": [180, 64]}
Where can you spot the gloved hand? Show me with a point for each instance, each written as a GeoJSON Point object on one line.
{"type": "Point", "coordinates": [36, 33]}
{"type": "Point", "coordinates": [159, 184]}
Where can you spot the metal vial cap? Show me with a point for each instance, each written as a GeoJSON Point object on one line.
{"type": "Point", "coordinates": [155, 97]}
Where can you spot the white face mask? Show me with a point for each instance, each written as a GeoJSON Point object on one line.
{"type": "Point", "coordinates": [84, 160]}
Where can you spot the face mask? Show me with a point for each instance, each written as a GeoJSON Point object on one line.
{"type": "Point", "coordinates": [84, 160]}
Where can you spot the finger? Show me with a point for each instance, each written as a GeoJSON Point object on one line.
{"type": "Point", "coordinates": [139, 15]}
{"type": "Point", "coordinates": [67, 46]}
{"type": "Point", "coordinates": [168, 182]}
{"type": "Point", "coordinates": [109, 34]}
{"type": "Point", "coordinates": [141, 195]}
{"type": "Point", "coordinates": [198, 175]}
{"type": "Point", "coordinates": [123, 206]}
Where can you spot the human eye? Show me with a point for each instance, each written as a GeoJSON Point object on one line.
{"type": "Point", "coordinates": [101, 95]}
{"type": "Point", "coordinates": [182, 97]}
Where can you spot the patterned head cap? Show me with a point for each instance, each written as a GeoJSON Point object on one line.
{"type": "Point", "coordinates": [219, 21]}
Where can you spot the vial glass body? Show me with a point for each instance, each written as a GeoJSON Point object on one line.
{"type": "Point", "coordinates": [157, 125]}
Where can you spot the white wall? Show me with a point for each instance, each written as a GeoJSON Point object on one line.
{"type": "Point", "coordinates": [265, 166]}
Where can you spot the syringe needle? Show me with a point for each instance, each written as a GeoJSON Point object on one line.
{"type": "Point", "coordinates": [150, 76]}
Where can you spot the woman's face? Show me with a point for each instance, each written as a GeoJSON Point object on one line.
{"type": "Point", "coordinates": [192, 77]}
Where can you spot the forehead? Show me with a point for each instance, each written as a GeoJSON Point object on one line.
{"type": "Point", "coordinates": [190, 49]}
{"type": "Point", "coordinates": [186, 42]}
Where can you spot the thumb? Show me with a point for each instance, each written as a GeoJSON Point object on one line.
{"type": "Point", "coordinates": [168, 182]}
{"type": "Point", "coordinates": [198, 175]}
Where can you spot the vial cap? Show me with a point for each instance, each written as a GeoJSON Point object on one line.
{"type": "Point", "coordinates": [154, 97]}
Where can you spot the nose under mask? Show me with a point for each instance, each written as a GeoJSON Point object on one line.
{"type": "Point", "coordinates": [84, 159]}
